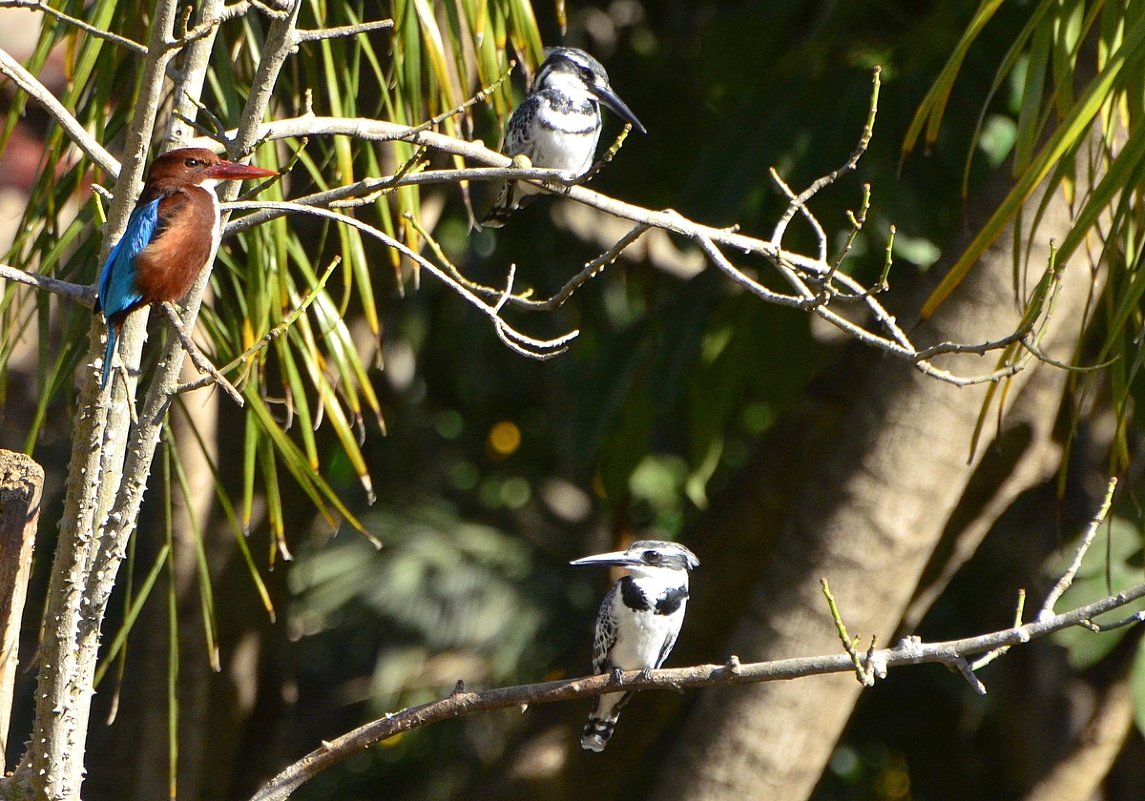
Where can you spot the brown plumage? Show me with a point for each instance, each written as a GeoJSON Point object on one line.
{"type": "Point", "coordinates": [169, 238]}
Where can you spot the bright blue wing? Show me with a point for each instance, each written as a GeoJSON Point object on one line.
{"type": "Point", "coordinates": [117, 289]}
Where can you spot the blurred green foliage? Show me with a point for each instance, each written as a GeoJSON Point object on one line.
{"type": "Point", "coordinates": [1113, 564]}
{"type": "Point", "coordinates": [671, 383]}
{"type": "Point", "coordinates": [495, 470]}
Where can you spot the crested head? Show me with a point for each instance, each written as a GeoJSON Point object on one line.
{"type": "Point", "coordinates": [646, 556]}
{"type": "Point", "coordinates": [661, 553]}
{"type": "Point", "coordinates": [574, 60]}
{"type": "Point", "coordinates": [196, 166]}
{"type": "Point", "coordinates": [574, 72]}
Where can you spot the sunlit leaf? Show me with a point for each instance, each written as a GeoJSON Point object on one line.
{"type": "Point", "coordinates": [1065, 140]}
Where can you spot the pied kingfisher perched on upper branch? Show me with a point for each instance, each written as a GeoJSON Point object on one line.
{"type": "Point", "coordinates": [557, 125]}
{"type": "Point", "coordinates": [637, 623]}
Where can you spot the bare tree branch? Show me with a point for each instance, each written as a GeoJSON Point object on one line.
{"type": "Point", "coordinates": [517, 341]}
{"type": "Point", "coordinates": [113, 447]}
{"type": "Point", "coordinates": [202, 364]}
{"type": "Point", "coordinates": [319, 34]}
{"type": "Point", "coordinates": [15, 71]}
{"type": "Point", "coordinates": [459, 703]}
{"type": "Point", "coordinates": [815, 282]}
{"type": "Point", "coordinates": [88, 551]}
{"type": "Point", "coordinates": [799, 202]}
{"type": "Point", "coordinates": [1067, 578]}
{"type": "Point", "coordinates": [80, 293]}
{"type": "Point", "coordinates": [244, 358]}
{"type": "Point", "coordinates": [78, 24]}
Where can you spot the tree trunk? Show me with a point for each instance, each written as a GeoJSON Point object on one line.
{"type": "Point", "coordinates": [869, 519]}
{"type": "Point", "coordinates": [21, 485]}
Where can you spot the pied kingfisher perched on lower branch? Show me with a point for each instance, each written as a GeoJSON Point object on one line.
{"type": "Point", "coordinates": [637, 623]}
{"type": "Point", "coordinates": [557, 125]}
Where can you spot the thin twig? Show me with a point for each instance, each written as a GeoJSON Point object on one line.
{"type": "Point", "coordinates": [1042, 356]}
{"type": "Point", "coordinates": [477, 97]}
{"type": "Point", "coordinates": [608, 155]}
{"type": "Point", "coordinates": [318, 34]}
{"type": "Point", "coordinates": [990, 656]}
{"type": "Point", "coordinates": [540, 349]}
{"type": "Point", "coordinates": [201, 362]}
{"type": "Point", "coordinates": [1101, 628]}
{"type": "Point", "coordinates": [798, 203]}
{"type": "Point", "coordinates": [76, 132]}
{"type": "Point", "coordinates": [245, 357]}
{"type": "Point", "coordinates": [1066, 579]}
{"type": "Point", "coordinates": [591, 270]}
{"type": "Point", "coordinates": [79, 24]}
{"type": "Point", "coordinates": [967, 672]}
{"type": "Point", "coordinates": [858, 220]}
{"type": "Point", "coordinates": [525, 300]}
{"type": "Point", "coordinates": [80, 293]}
{"type": "Point", "coordinates": [862, 671]}
{"type": "Point", "coordinates": [476, 287]}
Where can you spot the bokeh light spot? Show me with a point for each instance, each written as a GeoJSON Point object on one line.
{"type": "Point", "coordinates": [504, 439]}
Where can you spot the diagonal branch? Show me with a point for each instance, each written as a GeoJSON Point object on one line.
{"type": "Point", "coordinates": [90, 146]}
{"type": "Point", "coordinates": [459, 703]}
{"type": "Point", "coordinates": [815, 282]}
{"type": "Point", "coordinates": [1066, 579]}
{"type": "Point", "coordinates": [78, 24]}
{"type": "Point", "coordinates": [80, 293]}
{"type": "Point", "coordinates": [88, 550]}
{"type": "Point", "coordinates": [202, 364]}
{"type": "Point", "coordinates": [517, 341]}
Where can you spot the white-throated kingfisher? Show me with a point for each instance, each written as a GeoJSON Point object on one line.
{"type": "Point", "coordinates": [169, 237]}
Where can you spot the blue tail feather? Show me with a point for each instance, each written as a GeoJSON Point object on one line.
{"type": "Point", "coordinates": [109, 352]}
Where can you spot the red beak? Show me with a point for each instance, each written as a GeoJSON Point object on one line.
{"type": "Point", "coordinates": [230, 171]}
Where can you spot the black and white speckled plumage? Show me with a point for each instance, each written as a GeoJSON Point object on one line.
{"type": "Point", "coordinates": [638, 621]}
{"type": "Point", "coordinates": [557, 125]}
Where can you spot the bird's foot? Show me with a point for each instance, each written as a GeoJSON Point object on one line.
{"type": "Point", "coordinates": [646, 674]}
{"type": "Point", "coordinates": [616, 675]}
{"type": "Point", "coordinates": [569, 178]}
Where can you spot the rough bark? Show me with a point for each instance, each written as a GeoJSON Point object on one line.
{"type": "Point", "coordinates": [144, 705]}
{"type": "Point", "coordinates": [111, 458]}
{"type": "Point", "coordinates": [869, 519]}
{"type": "Point", "coordinates": [21, 486]}
{"type": "Point", "coordinates": [84, 566]}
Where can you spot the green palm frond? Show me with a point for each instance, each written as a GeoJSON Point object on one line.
{"type": "Point", "coordinates": [1077, 72]}
{"type": "Point", "coordinates": [307, 377]}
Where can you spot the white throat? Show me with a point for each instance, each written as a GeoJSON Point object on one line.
{"type": "Point", "coordinates": [567, 84]}
{"type": "Point", "coordinates": [665, 577]}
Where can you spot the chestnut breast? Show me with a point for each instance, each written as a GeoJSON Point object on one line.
{"type": "Point", "coordinates": [188, 224]}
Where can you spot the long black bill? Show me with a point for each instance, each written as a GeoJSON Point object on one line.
{"type": "Point", "coordinates": [620, 558]}
{"type": "Point", "coordinates": [613, 101]}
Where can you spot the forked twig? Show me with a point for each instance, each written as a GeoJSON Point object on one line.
{"type": "Point", "coordinates": [201, 362]}
{"type": "Point", "coordinates": [539, 349]}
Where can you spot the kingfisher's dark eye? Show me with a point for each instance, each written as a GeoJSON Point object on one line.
{"type": "Point", "coordinates": [653, 557]}
{"type": "Point", "coordinates": [193, 163]}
